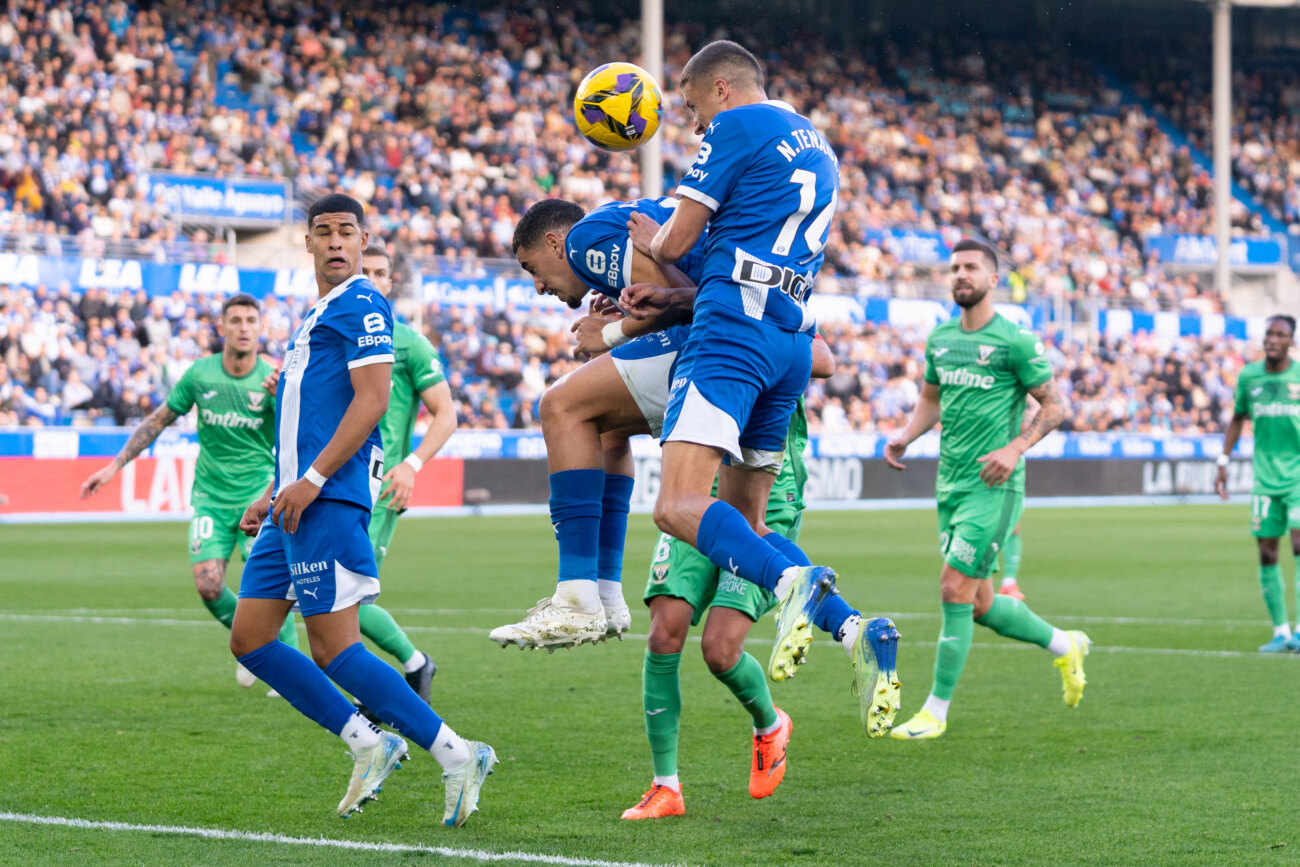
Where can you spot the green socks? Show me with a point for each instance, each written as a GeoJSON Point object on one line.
{"type": "Point", "coordinates": [662, 698]}
{"type": "Point", "coordinates": [749, 685]}
{"type": "Point", "coordinates": [954, 645]}
{"type": "Point", "coordinates": [1011, 558]}
{"type": "Point", "coordinates": [380, 627]}
{"type": "Point", "coordinates": [1013, 619]}
{"type": "Point", "coordinates": [1270, 581]}
{"type": "Point", "coordinates": [223, 607]}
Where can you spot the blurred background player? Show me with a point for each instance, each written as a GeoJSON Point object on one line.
{"type": "Point", "coordinates": [1268, 393]}
{"type": "Point", "coordinates": [588, 415]}
{"type": "Point", "coordinates": [314, 545]}
{"type": "Point", "coordinates": [418, 377]}
{"type": "Point", "coordinates": [979, 367]}
{"type": "Point", "coordinates": [236, 429]}
{"type": "Point", "coordinates": [765, 183]}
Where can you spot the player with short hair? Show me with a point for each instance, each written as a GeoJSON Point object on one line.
{"type": "Point", "coordinates": [979, 367]}
{"type": "Point", "coordinates": [589, 414]}
{"type": "Point", "coordinates": [236, 427]}
{"type": "Point", "coordinates": [1268, 393]}
{"type": "Point", "coordinates": [765, 182]}
{"type": "Point", "coordinates": [314, 546]}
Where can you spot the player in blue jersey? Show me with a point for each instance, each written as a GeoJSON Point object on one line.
{"type": "Point", "coordinates": [765, 182]}
{"type": "Point", "coordinates": [588, 415]}
{"type": "Point", "coordinates": [313, 546]}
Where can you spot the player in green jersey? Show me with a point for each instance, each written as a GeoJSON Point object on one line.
{"type": "Point", "coordinates": [417, 376]}
{"type": "Point", "coordinates": [236, 423]}
{"type": "Point", "coordinates": [979, 367]}
{"type": "Point", "coordinates": [1268, 393]}
{"type": "Point", "coordinates": [682, 584]}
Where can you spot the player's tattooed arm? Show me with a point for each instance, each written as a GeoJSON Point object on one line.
{"type": "Point", "coordinates": [144, 434]}
{"type": "Point", "coordinates": [1051, 412]}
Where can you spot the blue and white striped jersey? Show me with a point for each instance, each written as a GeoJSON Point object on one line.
{"type": "Point", "coordinates": [350, 327]}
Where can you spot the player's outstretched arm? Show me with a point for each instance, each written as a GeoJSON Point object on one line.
{"type": "Point", "coordinates": [400, 480]}
{"type": "Point", "coordinates": [924, 417]}
{"type": "Point", "coordinates": [1230, 437]}
{"type": "Point", "coordinates": [370, 387]}
{"type": "Point", "coordinates": [141, 438]}
{"type": "Point", "coordinates": [1001, 463]}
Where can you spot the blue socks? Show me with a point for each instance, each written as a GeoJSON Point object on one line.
{"type": "Point", "coordinates": [380, 688]}
{"type": "Point", "coordinates": [831, 614]}
{"type": "Point", "coordinates": [613, 526]}
{"type": "Point", "coordinates": [726, 538]}
{"type": "Point", "coordinates": [302, 684]}
{"type": "Point", "coordinates": [575, 514]}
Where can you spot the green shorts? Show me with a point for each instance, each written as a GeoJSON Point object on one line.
{"type": "Point", "coordinates": [214, 533]}
{"type": "Point", "coordinates": [383, 523]}
{"type": "Point", "coordinates": [681, 571]}
{"type": "Point", "coordinates": [1272, 515]}
{"type": "Point", "coordinates": [974, 525]}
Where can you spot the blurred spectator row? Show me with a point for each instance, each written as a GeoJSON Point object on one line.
{"type": "Point", "coordinates": [449, 123]}
{"type": "Point", "coordinates": [97, 358]}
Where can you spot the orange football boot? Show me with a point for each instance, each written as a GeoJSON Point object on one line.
{"type": "Point", "coordinates": [768, 767]}
{"type": "Point", "coordinates": [657, 803]}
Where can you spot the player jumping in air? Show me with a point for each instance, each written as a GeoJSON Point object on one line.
{"type": "Point", "coordinates": [979, 367]}
{"type": "Point", "coordinates": [765, 182]}
{"type": "Point", "coordinates": [1268, 393]}
{"type": "Point", "coordinates": [314, 546]}
{"type": "Point", "coordinates": [236, 424]}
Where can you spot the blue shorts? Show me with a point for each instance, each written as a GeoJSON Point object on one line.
{"type": "Point", "coordinates": [736, 384]}
{"type": "Point", "coordinates": [328, 565]}
{"type": "Point", "coordinates": [646, 365]}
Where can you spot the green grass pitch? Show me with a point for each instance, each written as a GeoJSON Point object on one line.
{"type": "Point", "coordinates": [120, 705]}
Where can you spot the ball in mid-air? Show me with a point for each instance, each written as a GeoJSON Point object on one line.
{"type": "Point", "coordinates": [618, 106]}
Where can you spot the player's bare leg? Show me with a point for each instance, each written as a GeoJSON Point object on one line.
{"type": "Point", "coordinates": [590, 404]}
{"type": "Point", "coordinates": [220, 600]}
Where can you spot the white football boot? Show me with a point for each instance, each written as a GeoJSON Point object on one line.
{"type": "Point", "coordinates": [552, 623]}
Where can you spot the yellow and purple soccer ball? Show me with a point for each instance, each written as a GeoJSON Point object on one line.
{"type": "Point", "coordinates": [618, 106]}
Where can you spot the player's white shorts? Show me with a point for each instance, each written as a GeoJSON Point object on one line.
{"type": "Point", "coordinates": [646, 365]}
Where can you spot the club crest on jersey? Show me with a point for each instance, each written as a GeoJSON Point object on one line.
{"type": "Point", "coordinates": [1293, 390]}
{"type": "Point", "coordinates": [660, 572]}
{"type": "Point", "coordinates": [255, 400]}
{"type": "Point", "coordinates": [196, 545]}
{"type": "Point", "coordinates": [986, 353]}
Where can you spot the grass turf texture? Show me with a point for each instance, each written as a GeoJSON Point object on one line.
{"type": "Point", "coordinates": [1172, 757]}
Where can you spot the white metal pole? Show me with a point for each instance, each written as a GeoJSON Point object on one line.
{"type": "Point", "coordinates": [652, 50]}
{"type": "Point", "coordinates": [1222, 144]}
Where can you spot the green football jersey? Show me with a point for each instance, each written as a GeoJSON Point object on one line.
{"type": "Point", "coordinates": [983, 377]}
{"type": "Point", "coordinates": [236, 419]}
{"type": "Point", "coordinates": [416, 367]}
{"type": "Point", "coordinates": [1272, 400]}
{"type": "Point", "coordinates": [787, 490]}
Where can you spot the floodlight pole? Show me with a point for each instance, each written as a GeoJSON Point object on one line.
{"type": "Point", "coordinates": [652, 51]}
{"type": "Point", "coordinates": [1222, 144]}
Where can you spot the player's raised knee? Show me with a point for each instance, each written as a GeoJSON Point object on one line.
{"type": "Point", "coordinates": [721, 656]}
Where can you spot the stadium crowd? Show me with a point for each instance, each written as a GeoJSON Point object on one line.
{"type": "Point", "coordinates": [100, 358]}
{"type": "Point", "coordinates": [449, 123]}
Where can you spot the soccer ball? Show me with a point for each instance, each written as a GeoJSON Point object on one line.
{"type": "Point", "coordinates": [618, 106]}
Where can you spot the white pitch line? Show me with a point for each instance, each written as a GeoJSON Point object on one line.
{"type": "Point", "coordinates": [358, 845]}
{"type": "Point", "coordinates": [632, 636]}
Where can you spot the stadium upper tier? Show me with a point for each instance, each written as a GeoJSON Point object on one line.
{"type": "Point", "coordinates": [450, 123]}
{"type": "Point", "coordinates": [96, 358]}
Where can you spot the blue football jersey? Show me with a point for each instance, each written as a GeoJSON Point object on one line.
{"type": "Point", "coordinates": [600, 251]}
{"type": "Point", "coordinates": [772, 182]}
{"type": "Point", "coordinates": [350, 327]}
